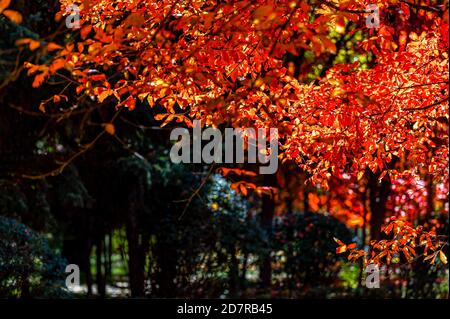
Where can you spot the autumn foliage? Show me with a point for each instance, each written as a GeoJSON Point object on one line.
{"type": "Point", "coordinates": [362, 112]}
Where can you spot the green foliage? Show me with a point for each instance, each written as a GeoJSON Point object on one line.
{"type": "Point", "coordinates": [232, 223]}
{"type": "Point", "coordinates": [305, 251]}
{"type": "Point", "coordinates": [13, 202]}
{"type": "Point", "coordinates": [349, 275]}
{"type": "Point", "coordinates": [134, 169]}
{"type": "Point", "coordinates": [70, 190]}
{"type": "Point", "coordinates": [201, 247]}
{"type": "Point", "coordinates": [28, 267]}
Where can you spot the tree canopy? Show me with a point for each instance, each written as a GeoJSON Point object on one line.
{"type": "Point", "coordinates": [359, 97]}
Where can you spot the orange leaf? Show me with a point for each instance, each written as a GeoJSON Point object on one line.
{"type": "Point", "coordinates": [56, 65]}
{"type": "Point", "coordinates": [53, 46]}
{"type": "Point", "coordinates": [56, 98]}
{"type": "Point", "coordinates": [42, 107]}
{"type": "Point", "coordinates": [110, 129]}
{"type": "Point", "coordinates": [407, 255]}
{"type": "Point", "coordinates": [85, 31]}
{"type": "Point", "coordinates": [168, 120]}
{"type": "Point", "coordinates": [38, 80]}
{"type": "Point", "coordinates": [4, 4]}
{"type": "Point", "coordinates": [263, 11]}
{"type": "Point", "coordinates": [98, 77]}
{"type": "Point", "coordinates": [340, 243]}
{"type": "Point", "coordinates": [341, 249]}
{"type": "Point", "coordinates": [243, 189]}
{"type": "Point", "coordinates": [160, 117]}
{"type": "Point", "coordinates": [104, 95]}
{"type": "Point", "coordinates": [33, 44]}
{"type": "Point", "coordinates": [13, 15]}
{"type": "Point", "coordinates": [412, 250]}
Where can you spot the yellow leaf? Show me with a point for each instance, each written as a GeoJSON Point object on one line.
{"type": "Point", "coordinates": [105, 94]}
{"type": "Point", "coordinates": [168, 120]}
{"type": "Point", "coordinates": [336, 92]}
{"type": "Point", "coordinates": [442, 257]}
{"type": "Point", "coordinates": [341, 249]}
{"type": "Point", "coordinates": [413, 36]}
{"type": "Point", "coordinates": [360, 175]}
{"type": "Point", "coordinates": [340, 24]}
{"type": "Point", "coordinates": [150, 100]}
{"type": "Point", "coordinates": [14, 16]}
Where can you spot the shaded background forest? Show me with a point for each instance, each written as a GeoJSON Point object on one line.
{"type": "Point", "coordinates": [138, 225]}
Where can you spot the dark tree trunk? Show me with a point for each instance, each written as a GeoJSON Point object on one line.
{"type": "Point", "coordinates": [136, 260]}
{"type": "Point", "coordinates": [25, 289]}
{"type": "Point", "coordinates": [101, 287]}
{"type": "Point", "coordinates": [244, 271]}
{"type": "Point", "coordinates": [267, 214]}
{"type": "Point", "coordinates": [108, 258]}
{"type": "Point", "coordinates": [233, 276]}
{"type": "Point", "coordinates": [379, 193]}
{"type": "Point", "coordinates": [305, 200]}
{"type": "Point", "coordinates": [87, 266]}
{"type": "Point", "coordinates": [363, 233]}
{"type": "Point", "coordinates": [167, 257]}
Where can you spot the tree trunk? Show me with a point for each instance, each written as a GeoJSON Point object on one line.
{"type": "Point", "coordinates": [167, 257]}
{"type": "Point", "coordinates": [108, 259]}
{"type": "Point", "coordinates": [233, 275]}
{"type": "Point", "coordinates": [244, 271]}
{"type": "Point", "coordinates": [101, 289]}
{"type": "Point", "coordinates": [87, 266]}
{"type": "Point", "coordinates": [136, 259]}
{"type": "Point", "coordinates": [379, 193]}
{"type": "Point", "coordinates": [363, 234]}
{"type": "Point", "coordinates": [267, 214]}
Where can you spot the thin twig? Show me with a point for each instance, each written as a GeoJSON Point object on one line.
{"type": "Point", "coordinates": [83, 150]}
{"type": "Point", "coordinates": [196, 192]}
